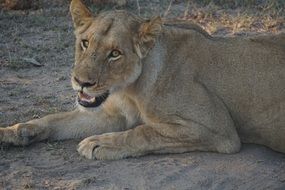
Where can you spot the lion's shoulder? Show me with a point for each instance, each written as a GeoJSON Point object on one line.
{"type": "Point", "coordinates": [186, 25]}
{"type": "Point", "coordinates": [276, 40]}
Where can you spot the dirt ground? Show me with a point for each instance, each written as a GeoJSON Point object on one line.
{"type": "Point", "coordinates": [58, 166]}
{"type": "Point", "coordinates": [36, 56]}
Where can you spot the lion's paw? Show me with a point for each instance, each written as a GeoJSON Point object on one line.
{"type": "Point", "coordinates": [102, 147]}
{"type": "Point", "coordinates": [19, 134]}
{"type": "Point", "coordinates": [26, 133]}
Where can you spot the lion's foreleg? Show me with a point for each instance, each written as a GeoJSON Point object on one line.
{"type": "Point", "coordinates": [117, 145]}
{"type": "Point", "coordinates": [146, 139]}
{"type": "Point", "coordinates": [67, 125]}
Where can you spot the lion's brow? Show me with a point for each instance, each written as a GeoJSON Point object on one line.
{"type": "Point", "coordinates": [107, 26]}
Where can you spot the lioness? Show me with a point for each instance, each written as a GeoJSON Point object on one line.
{"type": "Point", "coordinates": [145, 86]}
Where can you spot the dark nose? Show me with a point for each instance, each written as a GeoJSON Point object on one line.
{"type": "Point", "coordinates": [84, 84]}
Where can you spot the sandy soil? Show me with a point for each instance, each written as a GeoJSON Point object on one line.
{"type": "Point", "coordinates": [58, 166]}
{"type": "Point", "coordinates": [31, 89]}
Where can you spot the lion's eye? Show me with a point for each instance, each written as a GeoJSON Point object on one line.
{"type": "Point", "coordinates": [115, 54]}
{"type": "Point", "coordinates": [84, 44]}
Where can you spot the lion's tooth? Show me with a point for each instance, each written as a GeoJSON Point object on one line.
{"type": "Point", "coordinates": [93, 99]}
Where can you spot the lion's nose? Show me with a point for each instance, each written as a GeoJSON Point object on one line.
{"type": "Point", "coordinates": [84, 84]}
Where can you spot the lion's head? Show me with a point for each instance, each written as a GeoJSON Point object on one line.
{"type": "Point", "coordinates": [109, 47]}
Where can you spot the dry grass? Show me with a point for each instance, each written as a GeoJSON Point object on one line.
{"type": "Point", "coordinates": [238, 21]}
{"type": "Point", "coordinates": [223, 17]}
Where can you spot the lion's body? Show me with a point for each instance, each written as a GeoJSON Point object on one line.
{"type": "Point", "coordinates": [246, 74]}
{"type": "Point", "coordinates": [250, 80]}
{"type": "Point", "coordinates": [173, 89]}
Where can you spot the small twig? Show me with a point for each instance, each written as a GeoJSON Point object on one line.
{"type": "Point", "coordinates": [9, 54]}
{"type": "Point", "coordinates": [32, 61]}
{"type": "Point", "coordinates": [138, 7]}
{"type": "Point", "coordinates": [269, 6]}
{"type": "Point", "coordinates": [168, 8]}
{"type": "Point", "coordinates": [186, 9]}
{"type": "Point", "coordinates": [5, 82]}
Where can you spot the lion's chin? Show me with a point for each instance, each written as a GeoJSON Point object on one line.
{"type": "Point", "coordinates": [88, 101]}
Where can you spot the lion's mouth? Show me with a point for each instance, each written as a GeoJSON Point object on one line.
{"type": "Point", "coordinates": [89, 101]}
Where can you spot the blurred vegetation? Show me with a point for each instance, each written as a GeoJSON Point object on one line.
{"type": "Point", "coordinates": [226, 4]}
{"type": "Point", "coordinates": [237, 17]}
{"type": "Point", "coordinates": [218, 17]}
{"type": "Point", "coordinates": [274, 4]}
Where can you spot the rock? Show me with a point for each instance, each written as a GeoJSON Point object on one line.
{"type": "Point", "coordinates": [19, 4]}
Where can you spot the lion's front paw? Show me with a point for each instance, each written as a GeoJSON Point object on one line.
{"type": "Point", "coordinates": [103, 147]}
{"type": "Point", "coordinates": [26, 133]}
{"type": "Point", "coordinates": [19, 134]}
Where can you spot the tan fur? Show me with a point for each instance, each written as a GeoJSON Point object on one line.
{"type": "Point", "coordinates": [174, 89]}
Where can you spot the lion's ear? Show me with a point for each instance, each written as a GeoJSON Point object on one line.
{"type": "Point", "coordinates": [148, 31]}
{"type": "Point", "coordinates": [81, 15]}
